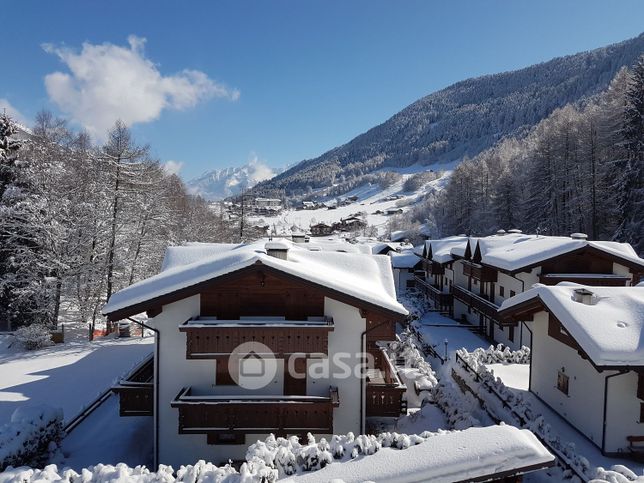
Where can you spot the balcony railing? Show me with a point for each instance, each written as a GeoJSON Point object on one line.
{"type": "Point", "coordinates": [479, 272]}
{"type": "Point", "coordinates": [433, 268]}
{"type": "Point", "coordinates": [439, 298]}
{"type": "Point", "coordinates": [385, 390]}
{"type": "Point", "coordinates": [211, 338]}
{"type": "Point", "coordinates": [476, 302]}
{"type": "Point", "coordinates": [209, 414]}
{"type": "Point", "coordinates": [136, 390]}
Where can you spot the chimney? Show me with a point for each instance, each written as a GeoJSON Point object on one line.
{"type": "Point", "coordinates": [579, 236]}
{"type": "Point", "coordinates": [515, 230]}
{"type": "Point", "coordinates": [500, 232]}
{"type": "Point", "coordinates": [584, 296]}
{"type": "Point", "coordinates": [277, 249]}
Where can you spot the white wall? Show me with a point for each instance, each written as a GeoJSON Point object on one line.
{"type": "Point", "coordinates": [623, 412]}
{"type": "Point", "coordinates": [176, 372]}
{"type": "Point", "coordinates": [584, 405]}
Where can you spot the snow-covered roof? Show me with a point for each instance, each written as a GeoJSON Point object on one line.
{"type": "Point", "coordinates": [366, 277]}
{"type": "Point", "coordinates": [513, 252]}
{"type": "Point", "coordinates": [611, 331]}
{"type": "Point", "coordinates": [443, 248]}
{"type": "Point", "coordinates": [406, 259]}
{"type": "Point", "coordinates": [474, 453]}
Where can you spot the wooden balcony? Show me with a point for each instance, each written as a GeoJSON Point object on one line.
{"type": "Point", "coordinates": [211, 338]}
{"type": "Point", "coordinates": [440, 299]}
{"type": "Point", "coordinates": [596, 279]}
{"type": "Point", "coordinates": [209, 414]}
{"type": "Point", "coordinates": [384, 390]}
{"type": "Point", "coordinates": [476, 302]}
{"type": "Point", "coordinates": [433, 268]}
{"type": "Point", "coordinates": [136, 391]}
{"type": "Point", "coordinates": [479, 272]}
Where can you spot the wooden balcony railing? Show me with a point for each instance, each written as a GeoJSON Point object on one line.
{"type": "Point", "coordinates": [209, 339]}
{"type": "Point", "coordinates": [433, 268]}
{"type": "Point", "coordinates": [385, 391]}
{"type": "Point", "coordinates": [208, 414]}
{"type": "Point", "coordinates": [479, 272]}
{"type": "Point", "coordinates": [136, 390]}
{"type": "Point", "coordinates": [441, 299]}
{"type": "Point", "coordinates": [476, 302]}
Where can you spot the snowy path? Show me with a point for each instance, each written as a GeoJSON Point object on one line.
{"type": "Point", "coordinates": [68, 375]}
{"type": "Point", "coordinates": [457, 335]}
{"type": "Point", "coordinates": [515, 378]}
{"type": "Point", "coordinates": [104, 437]}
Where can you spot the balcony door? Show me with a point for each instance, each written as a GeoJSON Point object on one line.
{"type": "Point", "coordinates": [294, 385]}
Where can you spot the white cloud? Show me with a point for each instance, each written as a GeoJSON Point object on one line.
{"type": "Point", "coordinates": [107, 82]}
{"type": "Point", "coordinates": [12, 112]}
{"type": "Point", "coordinates": [172, 167]}
{"type": "Point", "coordinates": [258, 170]}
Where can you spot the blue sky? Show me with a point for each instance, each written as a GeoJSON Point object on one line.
{"type": "Point", "coordinates": [279, 81]}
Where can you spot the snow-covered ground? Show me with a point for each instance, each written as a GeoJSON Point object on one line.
{"type": "Point", "coordinates": [436, 329]}
{"type": "Point", "coordinates": [515, 377]}
{"type": "Point", "coordinates": [371, 198]}
{"type": "Point", "coordinates": [109, 439]}
{"type": "Point", "coordinates": [67, 376]}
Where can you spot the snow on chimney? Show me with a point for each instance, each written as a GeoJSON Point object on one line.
{"type": "Point", "coordinates": [579, 236]}
{"type": "Point", "coordinates": [277, 249]}
{"type": "Point", "coordinates": [584, 296]}
{"type": "Point", "coordinates": [500, 232]}
{"type": "Point", "coordinates": [515, 230]}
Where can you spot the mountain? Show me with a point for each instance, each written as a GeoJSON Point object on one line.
{"type": "Point", "coordinates": [222, 183]}
{"type": "Point", "coordinates": [460, 120]}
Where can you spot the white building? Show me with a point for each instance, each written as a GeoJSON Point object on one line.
{"type": "Point", "coordinates": [469, 278]}
{"type": "Point", "coordinates": [588, 358]}
{"type": "Point", "coordinates": [317, 311]}
{"type": "Point", "coordinates": [404, 264]}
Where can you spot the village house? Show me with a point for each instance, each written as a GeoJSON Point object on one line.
{"type": "Point", "coordinates": [404, 264]}
{"type": "Point", "coordinates": [321, 229]}
{"type": "Point", "coordinates": [316, 311]}
{"type": "Point", "coordinates": [588, 358]}
{"type": "Point", "coordinates": [469, 278]}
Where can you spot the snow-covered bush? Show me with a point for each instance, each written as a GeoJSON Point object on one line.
{"type": "Point", "coordinates": [496, 355]}
{"type": "Point", "coordinates": [32, 432]}
{"type": "Point", "coordinates": [514, 409]}
{"type": "Point", "coordinates": [34, 336]}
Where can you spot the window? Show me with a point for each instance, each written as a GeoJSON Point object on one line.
{"type": "Point", "coordinates": [476, 282]}
{"type": "Point", "coordinates": [411, 283]}
{"type": "Point", "coordinates": [226, 438]}
{"type": "Point", "coordinates": [641, 412]}
{"type": "Point", "coordinates": [501, 291]}
{"type": "Point", "coordinates": [511, 333]}
{"type": "Point", "coordinates": [640, 386]}
{"type": "Point", "coordinates": [512, 293]}
{"type": "Point", "coordinates": [562, 382]}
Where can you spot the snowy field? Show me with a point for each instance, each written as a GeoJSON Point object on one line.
{"type": "Point", "coordinates": [371, 198]}
{"type": "Point", "coordinates": [67, 376]}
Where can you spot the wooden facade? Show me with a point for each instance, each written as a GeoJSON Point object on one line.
{"type": "Point", "coordinates": [240, 415]}
{"type": "Point", "coordinates": [136, 391]}
{"type": "Point", "coordinates": [477, 303]}
{"type": "Point", "coordinates": [211, 341]}
{"type": "Point", "coordinates": [479, 272]}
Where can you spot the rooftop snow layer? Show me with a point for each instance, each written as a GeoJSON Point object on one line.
{"type": "Point", "coordinates": [406, 259]}
{"type": "Point", "coordinates": [444, 249]}
{"type": "Point", "coordinates": [611, 331]}
{"type": "Point", "coordinates": [457, 456]}
{"type": "Point", "coordinates": [512, 252]}
{"type": "Point", "coordinates": [365, 277]}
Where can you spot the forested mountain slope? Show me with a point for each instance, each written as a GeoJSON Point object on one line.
{"type": "Point", "coordinates": [463, 119]}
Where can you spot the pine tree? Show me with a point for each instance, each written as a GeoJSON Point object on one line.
{"type": "Point", "coordinates": [630, 186]}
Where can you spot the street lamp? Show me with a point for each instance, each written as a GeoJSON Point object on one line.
{"type": "Point", "coordinates": [446, 356]}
